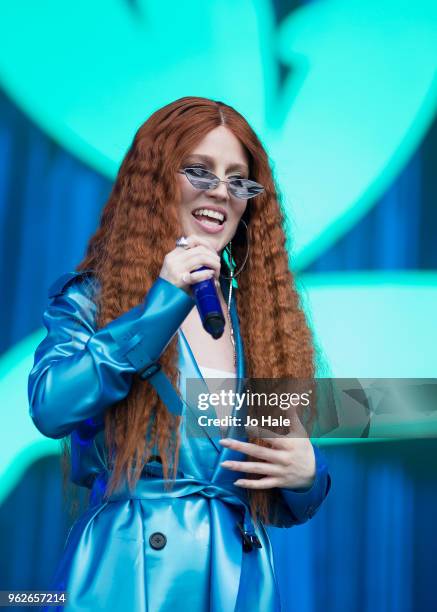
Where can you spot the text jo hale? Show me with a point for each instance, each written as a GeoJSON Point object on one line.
{"type": "Point", "coordinates": [234, 421]}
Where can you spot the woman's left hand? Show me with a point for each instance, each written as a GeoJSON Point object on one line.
{"type": "Point", "coordinates": [289, 463]}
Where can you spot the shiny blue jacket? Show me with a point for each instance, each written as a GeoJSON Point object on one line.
{"type": "Point", "coordinates": [151, 549]}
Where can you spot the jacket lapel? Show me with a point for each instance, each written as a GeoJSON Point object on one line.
{"type": "Point", "coordinates": [192, 383]}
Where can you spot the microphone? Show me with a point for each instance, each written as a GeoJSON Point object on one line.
{"type": "Point", "coordinates": [208, 305]}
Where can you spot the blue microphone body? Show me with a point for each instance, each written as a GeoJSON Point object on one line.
{"type": "Point", "coordinates": [208, 305]}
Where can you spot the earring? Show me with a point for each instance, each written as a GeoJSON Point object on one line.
{"type": "Point", "coordinates": [228, 248]}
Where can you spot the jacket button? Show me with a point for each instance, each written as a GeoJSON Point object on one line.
{"type": "Point", "coordinates": [157, 540]}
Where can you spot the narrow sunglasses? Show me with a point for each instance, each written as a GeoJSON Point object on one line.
{"type": "Point", "coordinates": [238, 187]}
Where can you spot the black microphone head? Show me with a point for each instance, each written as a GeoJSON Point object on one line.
{"type": "Point", "coordinates": [215, 325]}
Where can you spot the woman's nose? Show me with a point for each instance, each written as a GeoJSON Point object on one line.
{"type": "Point", "coordinates": [220, 191]}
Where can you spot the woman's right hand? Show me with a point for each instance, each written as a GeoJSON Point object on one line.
{"type": "Point", "coordinates": [179, 265]}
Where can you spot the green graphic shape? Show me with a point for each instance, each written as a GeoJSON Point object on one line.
{"type": "Point", "coordinates": [367, 325]}
{"type": "Point", "coordinates": [360, 92]}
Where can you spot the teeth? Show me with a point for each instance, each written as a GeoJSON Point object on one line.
{"type": "Point", "coordinates": [209, 213]}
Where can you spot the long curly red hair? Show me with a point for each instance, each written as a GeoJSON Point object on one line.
{"type": "Point", "coordinates": [139, 225]}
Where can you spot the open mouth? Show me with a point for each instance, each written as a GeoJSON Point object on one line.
{"type": "Point", "coordinates": [209, 216]}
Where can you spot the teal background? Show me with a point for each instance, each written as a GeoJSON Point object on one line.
{"type": "Point", "coordinates": [343, 95]}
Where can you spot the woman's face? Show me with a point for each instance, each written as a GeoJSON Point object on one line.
{"type": "Point", "coordinates": [223, 154]}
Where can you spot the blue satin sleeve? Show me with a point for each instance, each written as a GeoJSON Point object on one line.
{"type": "Point", "coordinates": [295, 506]}
{"type": "Point", "coordinates": [78, 371]}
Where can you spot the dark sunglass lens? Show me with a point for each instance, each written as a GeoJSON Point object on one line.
{"type": "Point", "coordinates": [243, 188]}
{"type": "Point", "coordinates": [200, 178]}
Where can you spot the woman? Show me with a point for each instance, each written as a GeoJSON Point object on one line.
{"type": "Point", "coordinates": [176, 514]}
